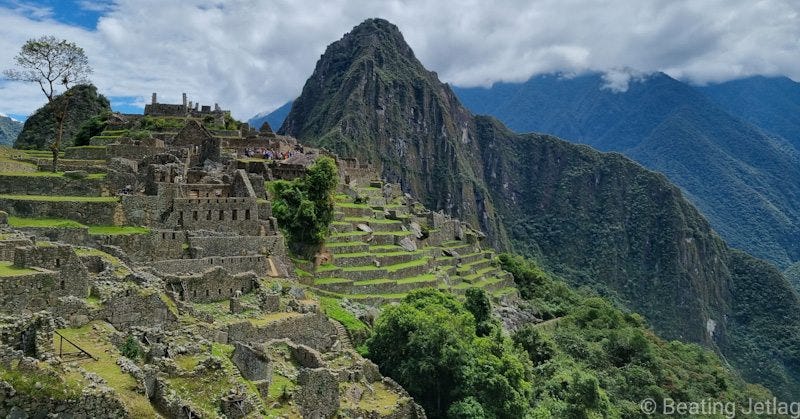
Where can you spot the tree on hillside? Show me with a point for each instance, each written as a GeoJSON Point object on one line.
{"type": "Point", "coordinates": [51, 63]}
{"type": "Point", "coordinates": [304, 206]}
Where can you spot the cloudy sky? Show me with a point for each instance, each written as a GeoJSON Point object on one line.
{"type": "Point", "coordinates": [254, 55]}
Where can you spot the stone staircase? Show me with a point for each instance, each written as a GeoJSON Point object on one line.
{"type": "Point", "coordinates": [344, 337]}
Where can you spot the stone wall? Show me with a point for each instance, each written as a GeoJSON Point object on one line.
{"type": "Point", "coordinates": [234, 245]}
{"type": "Point", "coordinates": [92, 152]}
{"type": "Point", "coordinates": [96, 213]}
{"type": "Point", "coordinates": [212, 285]}
{"type": "Point", "coordinates": [8, 247]}
{"type": "Point", "coordinates": [156, 245]}
{"type": "Point", "coordinates": [232, 264]}
{"type": "Point", "coordinates": [59, 273]}
{"type": "Point", "coordinates": [311, 329]}
{"type": "Point", "coordinates": [132, 151]}
{"type": "Point", "coordinates": [74, 236]}
{"type": "Point", "coordinates": [91, 404]}
{"type": "Point", "coordinates": [238, 215]}
{"type": "Point", "coordinates": [134, 306]}
{"type": "Point", "coordinates": [50, 185]}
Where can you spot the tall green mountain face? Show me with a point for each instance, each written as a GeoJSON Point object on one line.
{"type": "Point", "coordinates": [770, 103]}
{"type": "Point", "coordinates": [369, 97]}
{"type": "Point", "coordinates": [9, 130]}
{"type": "Point", "coordinates": [83, 102]}
{"type": "Point", "coordinates": [743, 179]}
{"type": "Point", "coordinates": [598, 219]}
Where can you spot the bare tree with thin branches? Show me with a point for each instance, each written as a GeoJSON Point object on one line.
{"type": "Point", "coordinates": [52, 63]}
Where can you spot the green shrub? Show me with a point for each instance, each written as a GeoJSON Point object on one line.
{"type": "Point", "coordinates": [131, 348]}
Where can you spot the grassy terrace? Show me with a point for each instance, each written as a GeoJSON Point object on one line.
{"type": "Point", "coordinates": [21, 222]}
{"type": "Point", "coordinates": [117, 230]}
{"type": "Point", "coordinates": [43, 222]}
{"type": "Point", "coordinates": [91, 176]}
{"type": "Point", "coordinates": [7, 269]}
{"type": "Point", "coordinates": [49, 198]}
{"type": "Point", "coordinates": [94, 338]}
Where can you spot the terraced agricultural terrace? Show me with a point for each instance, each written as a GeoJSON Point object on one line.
{"type": "Point", "coordinates": [383, 244]}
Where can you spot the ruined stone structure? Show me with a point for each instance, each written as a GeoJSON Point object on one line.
{"type": "Point", "coordinates": [160, 251]}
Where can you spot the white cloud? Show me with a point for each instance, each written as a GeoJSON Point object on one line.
{"type": "Point", "coordinates": [252, 55]}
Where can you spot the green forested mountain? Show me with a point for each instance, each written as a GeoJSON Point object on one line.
{"type": "Point", "coordinates": [9, 130]}
{"type": "Point", "coordinates": [83, 103]}
{"type": "Point", "coordinates": [746, 182]}
{"type": "Point", "coordinates": [770, 103]}
{"type": "Point", "coordinates": [597, 219]}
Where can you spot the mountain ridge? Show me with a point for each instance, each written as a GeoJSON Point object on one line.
{"type": "Point", "coordinates": [754, 200]}
{"type": "Point", "coordinates": [585, 214]}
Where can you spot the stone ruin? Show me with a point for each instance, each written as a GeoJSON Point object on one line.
{"type": "Point", "coordinates": [207, 269]}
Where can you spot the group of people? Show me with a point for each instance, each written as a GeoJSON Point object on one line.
{"type": "Point", "coordinates": [268, 154]}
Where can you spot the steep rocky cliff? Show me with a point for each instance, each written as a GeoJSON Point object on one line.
{"type": "Point", "coordinates": [585, 214]}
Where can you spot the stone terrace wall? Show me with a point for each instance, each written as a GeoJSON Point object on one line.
{"type": "Point", "coordinates": [233, 264]}
{"type": "Point", "coordinates": [157, 245]}
{"type": "Point", "coordinates": [98, 213]}
{"type": "Point", "coordinates": [75, 236]}
{"type": "Point", "coordinates": [311, 329]}
{"type": "Point", "coordinates": [85, 153]}
{"type": "Point", "coordinates": [16, 404]}
{"type": "Point", "coordinates": [50, 185]}
{"type": "Point", "coordinates": [234, 245]}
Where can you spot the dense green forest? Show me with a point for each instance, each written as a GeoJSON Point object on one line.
{"type": "Point", "coordinates": [589, 358]}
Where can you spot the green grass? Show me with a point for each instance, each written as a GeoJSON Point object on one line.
{"type": "Point", "coordinates": [367, 220]}
{"type": "Point", "coordinates": [94, 338]}
{"type": "Point", "coordinates": [118, 230]}
{"type": "Point", "coordinates": [95, 147]}
{"type": "Point", "coordinates": [418, 278]}
{"type": "Point", "coordinates": [352, 205]}
{"type": "Point", "coordinates": [7, 269]}
{"type": "Point", "coordinates": [91, 176]}
{"type": "Point", "coordinates": [328, 281]}
{"type": "Point", "coordinates": [41, 383]}
{"type": "Point", "coordinates": [59, 198]}
{"type": "Point", "coordinates": [334, 310]}
{"type": "Point", "coordinates": [21, 222]}
{"type": "Point", "coordinates": [398, 266]}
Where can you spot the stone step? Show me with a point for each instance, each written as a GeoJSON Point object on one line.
{"type": "Point", "coordinates": [387, 286]}
{"type": "Point", "coordinates": [396, 273]}
{"type": "Point", "coordinates": [348, 247]}
{"type": "Point", "coordinates": [328, 272]}
{"type": "Point", "coordinates": [375, 224]}
{"type": "Point", "coordinates": [338, 216]}
{"type": "Point", "coordinates": [466, 259]}
{"type": "Point", "coordinates": [355, 210]}
{"type": "Point", "coordinates": [363, 273]}
{"type": "Point", "coordinates": [334, 284]}
{"type": "Point", "coordinates": [384, 259]}
{"type": "Point", "coordinates": [347, 236]}
{"type": "Point", "coordinates": [341, 227]}
{"type": "Point", "coordinates": [470, 268]}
